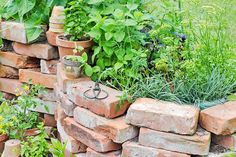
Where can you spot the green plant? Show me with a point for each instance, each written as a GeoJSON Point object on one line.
{"type": "Point", "coordinates": [57, 148]}
{"type": "Point", "coordinates": [7, 117]}
{"type": "Point", "coordinates": [14, 115]}
{"type": "Point", "coordinates": [76, 21]}
{"type": "Point", "coordinates": [36, 146]}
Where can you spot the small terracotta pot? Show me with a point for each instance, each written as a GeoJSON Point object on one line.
{"type": "Point", "coordinates": [51, 37]}
{"type": "Point", "coordinates": [57, 11]}
{"type": "Point", "coordinates": [66, 47]}
{"type": "Point", "coordinates": [56, 26]}
{"type": "Point", "coordinates": [57, 20]}
{"type": "Point", "coordinates": [71, 69]}
{"type": "Point", "coordinates": [3, 139]}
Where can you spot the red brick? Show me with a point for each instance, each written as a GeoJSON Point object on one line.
{"type": "Point", "coordinates": [49, 120]}
{"type": "Point", "coordinates": [8, 72]}
{"type": "Point", "coordinates": [133, 149]}
{"type": "Point", "coordinates": [13, 31]}
{"type": "Point", "coordinates": [60, 114]}
{"type": "Point", "coordinates": [63, 81]}
{"type": "Point", "coordinates": [197, 144]}
{"type": "Point", "coordinates": [38, 50]}
{"type": "Point", "coordinates": [92, 153]}
{"type": "Point", "coordinates": [105, 107]}
{"type": "Point", "coordinates": [47, 107]}
{"type": "Point", "coordinates": [10, 85]}
{"type": "Point", "coordinates": [115, 129]}
{"type": "Point", "coordinates": [49, 67]}
{"type": "Point", "coordinates": [48, 95]}
{"type": "Point", "coordinates": [18, 61]}
{"type": "Point", "coordinates": [220, 119]}
{"type": "Point", "coordinates": [92, 139]}
{"type": "Point", "coordinates": [37, 77]}
{"type": "Point", "coordinates": [8, 96]}
{"type": "Point", "coordinates": [72, 145]}
{"type": "Point", "coordinates": [226, 141]}
{"type": "Point", "coordinates": [16, 31]}
{"type": "Point", "coordinates": [154, 114]}
{"type": "Point", "coordinates": [67, 105]}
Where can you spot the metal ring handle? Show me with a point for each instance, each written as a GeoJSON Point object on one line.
{"type": "Point", "coordinates": [96, 96]}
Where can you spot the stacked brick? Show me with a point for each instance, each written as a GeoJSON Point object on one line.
{"type": "Point", "coordinates": [91, 126]}
{"type": "Point", "coordinates": [36, 61]}
{"type": "Point", "coordinates": [220, 120]}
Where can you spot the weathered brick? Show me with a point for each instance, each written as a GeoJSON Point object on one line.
{"type": "Point", "coordinates": [47, 107]}
{"type": "Point", "coordinates": [49, 67]}
{"type": "Point", "coordinates": [49, 120]}
{"type": "Point", "coordinates": [92, 153]}
{"type": "Point", "coordinates": [8, 72]}
{"type": "Point", "coordinates": [198, 144]}
{"type": "Point", "coordinates": [115, 129]}
{"type": "Point", "coordinates": [37, 77]}
{"type": "Point", "coordinates": [60, 114]}
{"type": "Point", "coordinates": [48, 95]}
{"type": "Point", "coordinates": [92, 139]}
{"type": "Point", "coordinates": [72, 145]}
{"type": "Point", "coordinates": [18, 61]}
{"type": "Point", "coordinates": [226, 141]}
{"type": "Point", "coordinates": [220, 119]}
{"type": "Point", "coordinates": [8, 96]}
{"type": "Point", "coordinates": [10, 85]}
{"type": "Point", "coordinates": [67, 105]}
{"type": "Point", "coordinates": [38, 50]}
{"type": "Point", "coordinates": [106, 107]}
{"type": "Point", "coordinates": [63, 81]}
{"type": "Point", "coordinates": [133, 149]}
{"type": "Point", "coordinates": [13, 31]}
{"type": "Point", "coordinates": [154, 114]}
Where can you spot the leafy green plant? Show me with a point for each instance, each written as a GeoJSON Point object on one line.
{"type": "Point", "coordinates": [76, 21]}
{"type": "Point", "coordinates": [36, 146]}
{"type": "Point", "coordinates": [14, 114]}
{"type": "Point", "coordinates": [57, 148]}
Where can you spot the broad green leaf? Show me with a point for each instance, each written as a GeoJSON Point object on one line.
{"type": "Point", "coordinates": [95, 1]}
{"type": "Point", "coordinates": [96, 69]}
{"type": "Point", "coordinates": [130, 22]}
{"type": "Point", "coordinates": [95, 53]}
{"type": "Point", "coordinates": [85, 57]}
{"type": "Point", "coordinates": [132, 6]}
{"type": "Point", "coordinates": [108, 35]}
{"type": "Point", "coordinates": [100, 63]}
{"type": "Point", "coordinates": [88, 70]}
{"type": "Point", "coordinates": [33, 33]}
{"type": "Point", "coordinates": [118, 65]}
{"type": "Point", "coordinates": [120, 54]}
{"type": "Point", "coordinates": [108, 50]}
{"type": "Point", "coordinates": [24, 6]}
{"type": "Point", "coordinates": [95, 34]}
{"type": "Point", "coordinates": [118, 14]}
{"type": "Point", "coordinates": [119, 36]}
